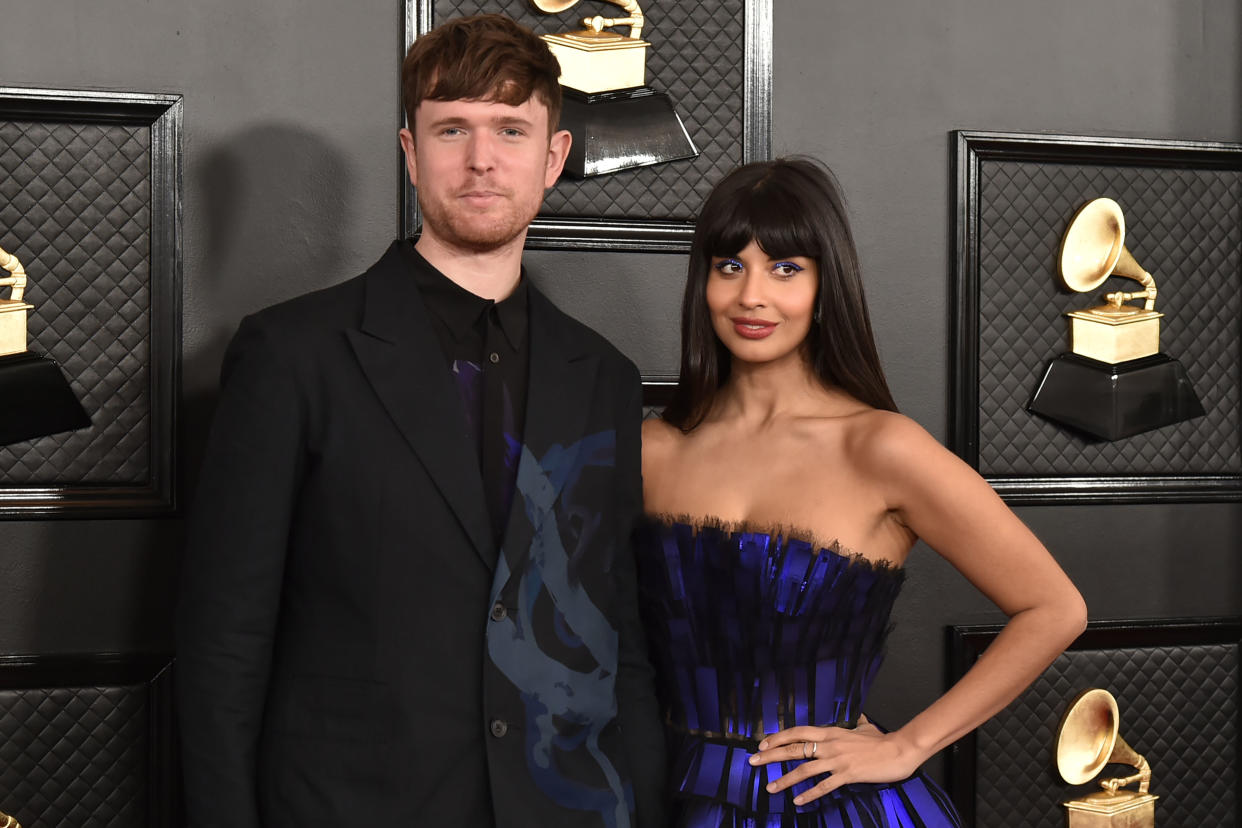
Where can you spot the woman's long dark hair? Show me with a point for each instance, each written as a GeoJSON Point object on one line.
{"type": "Point", "coordinates": [791, 207]}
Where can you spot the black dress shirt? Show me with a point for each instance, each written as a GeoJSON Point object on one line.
{"type": "Point", "coordinates": [486, 348]}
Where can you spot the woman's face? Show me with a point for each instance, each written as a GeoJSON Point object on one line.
{"type": "Point", "coordinates": [761, 307]}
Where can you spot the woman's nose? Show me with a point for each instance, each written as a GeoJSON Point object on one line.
{"type": "Point", "coordinates": [751, 292]}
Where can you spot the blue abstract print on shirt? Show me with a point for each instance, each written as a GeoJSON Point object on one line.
{"type": "Point", "coordinates": [567, 679]}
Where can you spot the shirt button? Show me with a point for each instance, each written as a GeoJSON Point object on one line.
{"type": "Point", "coordinates": [499, 613]}
{"type": "Point", "coordinates": [494, 357]}
{"type": "Point", "coordinates": [499, 728]}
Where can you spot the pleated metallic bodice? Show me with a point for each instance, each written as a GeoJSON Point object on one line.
{"type": "Point", "coordinates": [752, 632]}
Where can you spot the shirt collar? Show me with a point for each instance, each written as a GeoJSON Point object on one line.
{"type": "Point", "coordinates": [461, 310]}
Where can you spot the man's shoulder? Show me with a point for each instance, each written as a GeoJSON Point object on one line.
{"type": "Point", "coordinates": [326, 309]}
{"type": "Point", "coordinates": [329, 306]}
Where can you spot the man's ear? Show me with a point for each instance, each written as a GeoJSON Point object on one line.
{"type": "Point", "coordinates": [407, 146]}
{"type": "Point", "coordinates": [558, 151]}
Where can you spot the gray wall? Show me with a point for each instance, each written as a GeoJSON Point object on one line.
{"type": "Point", "coordinates": [290, 158]}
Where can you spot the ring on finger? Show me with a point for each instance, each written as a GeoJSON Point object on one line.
{"type": "Point", "coordinates": [805, 750]}
{"type": "Point", "coordinates": [814, 749]}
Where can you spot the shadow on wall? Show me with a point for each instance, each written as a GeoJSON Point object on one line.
{"type": "Point", "coordinates": [274, 201]}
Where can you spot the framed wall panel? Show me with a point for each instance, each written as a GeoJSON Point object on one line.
{"type": "Point", "coordinates": [1183, 210]}
{"type": "Point", "coordinates": [88, 740]}
{"type": "Point", "coordinates": [724, 101]}
{"type": "Point", "coordinates": [1177, 683]}
{"type": "Point", "coordinates": [90, 203]}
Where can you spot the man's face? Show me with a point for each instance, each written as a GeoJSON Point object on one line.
{"type": "Point", "coordinates": [481, 169]}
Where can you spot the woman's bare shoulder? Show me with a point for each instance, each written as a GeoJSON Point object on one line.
{"type": "Point", "coordinates": [879, 438]}
{"type": "Point", "coordinates": [659, 434]}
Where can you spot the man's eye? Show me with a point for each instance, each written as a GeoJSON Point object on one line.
{"type": "Point", "coordinates": [452, 131]}
{"type": "Point", "coordinates": [512, 133]}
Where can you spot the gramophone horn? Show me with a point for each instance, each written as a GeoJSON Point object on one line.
{"type": "Point", "coordinates": [1093, 248]}
{"type": "Point", "coordinates": [1087, 736]}
{"type": "Point", "coordinates": [1087, 741]}
{"type": "Point", "coordinates": [1092, 244]}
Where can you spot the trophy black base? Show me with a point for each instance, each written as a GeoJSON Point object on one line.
{"type": "Point", "coordinates": [1115, 401]}
{"type": "Point", "coordinates": [35, 399]}
{"type": "Point", "coordinates": [622, 129]}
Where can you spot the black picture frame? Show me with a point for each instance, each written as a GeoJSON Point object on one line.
{"type": "Point", "coordinates": [977, 158]}
{"type": "Point", "coordinates": [637, 233]}
{"type": "Point", "coordinates": [57, 491]}
{"type": "Point", "coordinates": [1191, 642]}
{"type": "Point", "coordinates": [143, 781]}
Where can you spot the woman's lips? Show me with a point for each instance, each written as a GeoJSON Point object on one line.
{"type": "Point", "coordinates": [752, 328]}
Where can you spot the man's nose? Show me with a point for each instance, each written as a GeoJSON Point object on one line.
{"type": "Point", "coordinates": [481, 153]}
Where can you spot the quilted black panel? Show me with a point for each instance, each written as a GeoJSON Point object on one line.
{"type": "Point", "coordinates": [1179, 708]}
{"type": "Point", "coordinates": [75, 209]}
{"type": "Point", "coordinates": [696, 57]}
{"type": "Point", "coordinates": [74, 756]}
{"type": "Point", "coordinates": [1183, 225]}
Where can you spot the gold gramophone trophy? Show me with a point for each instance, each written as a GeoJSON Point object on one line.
{"type": "Point", "coordinates": [1116, 382]}
{"type": "Point", "coordinates": [1088, 740]}
{"type": "Point", "coordinates": [7, 821]}
{"type": "Point", "coordinates": [617, 121]}
{"type": "Point", "coordinates": [13, 310]}
{"type": "Point", "coordinates": [35, 397]}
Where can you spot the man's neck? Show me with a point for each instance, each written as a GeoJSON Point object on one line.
{"type": "Point", "coordinates": [492, 274]}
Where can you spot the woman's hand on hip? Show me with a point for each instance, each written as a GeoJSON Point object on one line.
{"type": "Point", "coordinates": [863, 754]}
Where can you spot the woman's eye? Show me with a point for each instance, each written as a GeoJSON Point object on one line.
{"type": "Point", "coordinates": [729, 267]}
{"type": "Point", "coordinates": [786, 269]}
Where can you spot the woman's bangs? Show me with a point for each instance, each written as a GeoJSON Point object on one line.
{"type": "Point", "coordinates": [769, 217]}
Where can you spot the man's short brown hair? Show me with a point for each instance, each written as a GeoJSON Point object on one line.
{"type": "Point", "coordinates": [487, 57]}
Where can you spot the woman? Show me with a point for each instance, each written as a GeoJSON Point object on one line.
{"type": "Point", "coordinates": [784, 493]}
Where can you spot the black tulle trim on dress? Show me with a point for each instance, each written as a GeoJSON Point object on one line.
{"type": "Point", "coordinates": [779, 531]}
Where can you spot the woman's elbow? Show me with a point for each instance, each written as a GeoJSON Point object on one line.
{"type": "Point", "coordinates": [1072, 615]}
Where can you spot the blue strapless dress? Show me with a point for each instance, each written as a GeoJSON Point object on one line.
{"type": "Point", "coordinates": [752, 632]}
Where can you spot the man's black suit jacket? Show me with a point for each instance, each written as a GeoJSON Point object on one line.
{"type": "Point", "coordinates": [352, 648]}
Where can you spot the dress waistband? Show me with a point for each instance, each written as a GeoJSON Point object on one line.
{"type": "Point", "coordinates": [716, 766]}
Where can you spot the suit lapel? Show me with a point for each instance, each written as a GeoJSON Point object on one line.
{"type": "Point", "coordinates": [561, 383]}
{"type": "Point", "coordinates": [402, 360]}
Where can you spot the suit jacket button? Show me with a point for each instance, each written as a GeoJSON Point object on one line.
{"type": "Point", "coordinates": [499, 728]}
{"type": "Point", "coordinates": [499, 613]}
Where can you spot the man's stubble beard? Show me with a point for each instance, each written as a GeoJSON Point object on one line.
{"type": "Point", "coordinates": [478, 232]}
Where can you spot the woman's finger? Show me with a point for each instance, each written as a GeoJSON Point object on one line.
{"type": "Point", "coordinates": [803, 733]}
{"type": "Point", "coordinates": [795, 752]}
{"type": "Point", "coordinates": [803, 771]}
{"type": "Point", "coordinates": [828, 785]}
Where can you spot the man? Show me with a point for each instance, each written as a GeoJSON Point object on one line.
{"type": "Point", "coordinates": [408, 595]}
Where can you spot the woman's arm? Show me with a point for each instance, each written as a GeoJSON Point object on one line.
{"type": "Point", "coordinates": [948, 505]}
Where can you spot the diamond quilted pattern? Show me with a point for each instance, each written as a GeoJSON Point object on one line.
{"type": "Point", "coordinates": [696, 57]}
{"type": "Point", "coordinates": [75, 208]}
{"type": "Point", "coordinates": [1183, 225]}
{"type": "Point", "coordinates": [1179, 708]}
{"type": "Point", "coordinates": [74, 756]}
